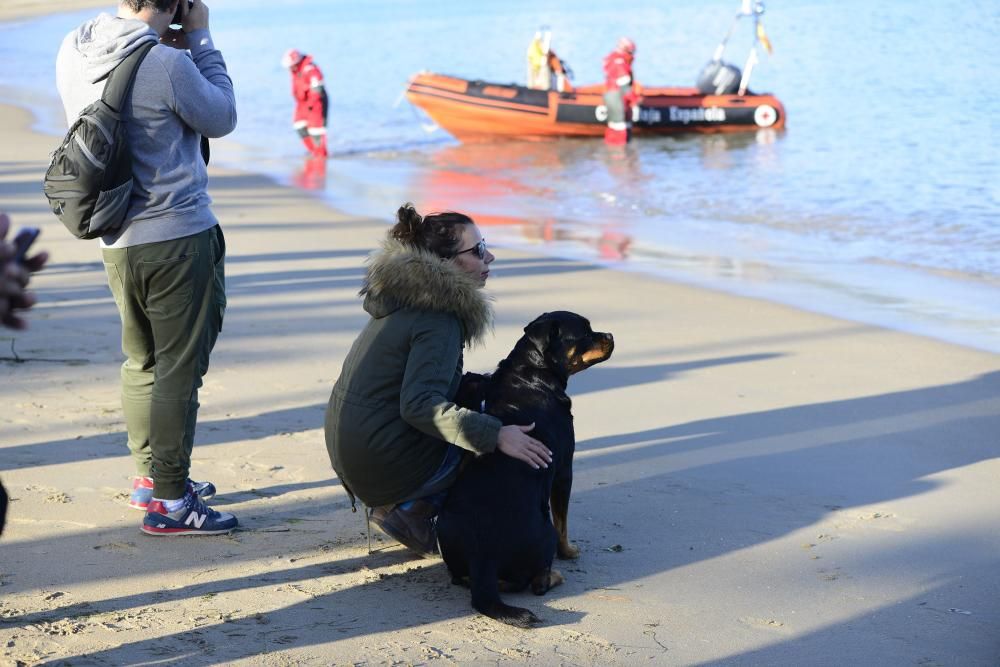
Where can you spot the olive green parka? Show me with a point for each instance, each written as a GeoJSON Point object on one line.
{"type": "Point", "coordinates": [391, 412]}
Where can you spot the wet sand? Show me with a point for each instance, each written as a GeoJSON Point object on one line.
{"type": "Point", "coordinates": [13, 10]}
{"type": "Point", "coordinates": [754, 484]}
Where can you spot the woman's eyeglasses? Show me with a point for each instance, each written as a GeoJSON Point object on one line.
{"type": "Point", "coordinates": [479, 249]}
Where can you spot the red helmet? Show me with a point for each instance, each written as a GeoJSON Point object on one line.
{"type": "Point", "coordinates": [291, 58]}
{"type": "Point", "coordinates": [626, 45]}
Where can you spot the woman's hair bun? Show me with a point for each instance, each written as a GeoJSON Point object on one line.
{"type": "Point", "coordinates": [440, 233]}
{"type": "Point", "coordinates": [407, 227]}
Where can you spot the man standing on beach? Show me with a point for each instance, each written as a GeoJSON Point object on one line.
{"type": "Point", "coordinates": [165, 265]}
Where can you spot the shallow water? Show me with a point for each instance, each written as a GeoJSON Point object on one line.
{"type": "Point", "coordinates": [879, 202]}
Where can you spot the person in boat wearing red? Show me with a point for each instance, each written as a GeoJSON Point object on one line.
{"type": "Point", "coordinates": [311, 102]}
{"type": "Point", "coordinates": [619, 91]}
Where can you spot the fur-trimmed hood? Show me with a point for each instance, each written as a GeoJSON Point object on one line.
{"type": "Point", "coordinates": [401, 276]}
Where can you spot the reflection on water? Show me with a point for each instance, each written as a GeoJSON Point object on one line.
{"type": "Point", "coordinates": [582, 199]}
{"type": "Point", "coordinates": [312, 174]}
{"type": "Point", "coordinates": [506, 186]}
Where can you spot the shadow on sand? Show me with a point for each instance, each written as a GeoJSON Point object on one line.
{"type": "Point", "coordinates": [889, 446]}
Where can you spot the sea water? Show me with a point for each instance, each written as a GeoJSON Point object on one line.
{"type": "Point", "coordinates": [879, 202]}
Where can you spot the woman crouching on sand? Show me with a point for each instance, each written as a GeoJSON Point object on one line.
{"type": "Point", "coordinates": [396, 428]}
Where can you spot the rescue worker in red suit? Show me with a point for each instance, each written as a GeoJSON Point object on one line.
{"type": "Point", "coordinates": [311, 102]}
{"type": "Point", "coordinates": [619, 92]}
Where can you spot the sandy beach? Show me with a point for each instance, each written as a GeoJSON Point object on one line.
{"type": "Point", "coordinates": [754, 485]}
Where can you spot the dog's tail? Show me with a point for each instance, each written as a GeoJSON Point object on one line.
{"type": "Point", "coordinates": [486, 597]}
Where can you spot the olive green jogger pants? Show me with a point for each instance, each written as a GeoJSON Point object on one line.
{"type": "Point", "coordinates": [171, 297]}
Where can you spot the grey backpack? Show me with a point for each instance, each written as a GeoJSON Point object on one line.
{"type": "Point", "coordinates": [89, 181]}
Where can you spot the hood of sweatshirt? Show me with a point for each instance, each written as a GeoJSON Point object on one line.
{"type": "Point", "coordinates": [105, 41]}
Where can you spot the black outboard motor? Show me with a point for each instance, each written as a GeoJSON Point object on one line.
{"type": "Point", "coordinates": [719, 78]}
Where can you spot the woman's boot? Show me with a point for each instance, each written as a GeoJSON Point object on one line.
{"type": "Point", "coordinates": [412, 527]}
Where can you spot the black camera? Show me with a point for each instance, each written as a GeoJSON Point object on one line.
{"type": "Point", "coordinates": [178, 17]}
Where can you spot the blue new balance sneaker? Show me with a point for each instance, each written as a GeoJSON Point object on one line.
{"type": "Point", "coordinates": [142, 492]}
{"type": "Point", "coordinates": [193, 518]}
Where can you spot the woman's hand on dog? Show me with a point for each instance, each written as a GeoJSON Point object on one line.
{"type": "Point", "coordinates": [515, 442]}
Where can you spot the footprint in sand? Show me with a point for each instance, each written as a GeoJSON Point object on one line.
{"type": "Point", "coordinates": [588, 639]}
{"type": "Point", "coordinates": [767, 623]}
{"type": "Point", "coordinates": [34, 488]}
{"type": "Point", "coordinates": [116, 546]}
{"type": "Point", "coordinates": [884, 520]}
{"type": "Point", "coordinates": [54, 495]}
{"type": "Point", "coordinates": [881, 519]}
{"type": "Point", "coordinates": [11, 612]}
{"type": "Point", "coordinates": [831, 574]}
{"type": "Point", "coordinates": [119, 496]}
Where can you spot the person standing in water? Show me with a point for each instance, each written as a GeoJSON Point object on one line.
{"type": "Point", "coordinates": [619, 92]}
{"type": "Point", "coordinates": [311, 101]}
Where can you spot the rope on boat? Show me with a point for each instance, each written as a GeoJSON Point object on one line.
{"type": "Point", "coordinates": [424, 125]}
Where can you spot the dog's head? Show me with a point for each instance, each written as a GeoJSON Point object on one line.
{"type": "Point", "coordinates": [566, 341]}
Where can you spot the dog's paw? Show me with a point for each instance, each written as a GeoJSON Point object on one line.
{"type": "Point", "coordinates": [546, 581]}
{"type": "Point", "coordinates": [516, 616]}
{"type": "Point", "coordinates": [567, 551]}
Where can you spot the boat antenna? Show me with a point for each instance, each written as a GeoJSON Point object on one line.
{"type": "Point", "coordinates": [745, 10]}
{"type": "Point", "coordinates": [717, 56]}
{"type": "Point", "coordinates": [755, 9]}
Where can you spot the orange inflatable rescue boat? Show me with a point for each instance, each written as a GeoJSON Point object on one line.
{"type": "Point", "coordinates": [482, 111]}
{"type": "Point", "coordinates": [474, 110]}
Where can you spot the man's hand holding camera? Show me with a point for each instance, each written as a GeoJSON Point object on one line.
{"type": "Point", "coordinates": [191, 15]}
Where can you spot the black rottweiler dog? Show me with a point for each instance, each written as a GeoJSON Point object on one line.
{"type": "Point", "coordinates": [496, 528]}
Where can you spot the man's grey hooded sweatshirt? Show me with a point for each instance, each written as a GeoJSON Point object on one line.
{"type": "Point", "coordinates": [177, 97]}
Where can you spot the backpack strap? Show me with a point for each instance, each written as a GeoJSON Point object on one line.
{"type": "Point", "coordinates": [119, 83]}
